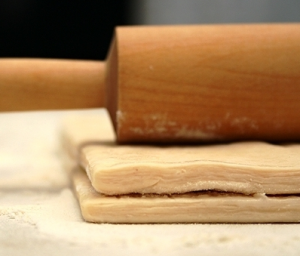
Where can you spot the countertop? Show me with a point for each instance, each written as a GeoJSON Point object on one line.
{"type": "Point", "coordinates": [39, 214]}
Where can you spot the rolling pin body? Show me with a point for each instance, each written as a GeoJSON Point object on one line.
{"type": "Point", "coordinates": [202, 83]}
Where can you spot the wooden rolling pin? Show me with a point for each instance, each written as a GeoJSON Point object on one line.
{"type": "Point", "coordinates": [175, 83]}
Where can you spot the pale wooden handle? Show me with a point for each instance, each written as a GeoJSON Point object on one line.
{"type": "Point", "coordinates": [34, 84]}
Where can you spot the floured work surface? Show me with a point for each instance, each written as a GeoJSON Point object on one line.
{"type": "Point", "coordinates": [257, 182]}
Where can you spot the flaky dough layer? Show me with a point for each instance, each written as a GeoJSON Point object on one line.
{"type": "Point", "coordinates": [243, 167]}
{"type": "Point", "coordinates": [205, 207]}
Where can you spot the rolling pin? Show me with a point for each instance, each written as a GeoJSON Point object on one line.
{"type": "Point", "coordinates": [174, 84]}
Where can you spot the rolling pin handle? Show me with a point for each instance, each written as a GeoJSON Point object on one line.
{"type": "Point", "coordinates": [43, 84]}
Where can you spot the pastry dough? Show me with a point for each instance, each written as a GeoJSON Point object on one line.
{"type": "Point", "coordinates": [208, 207]}
{"type": "Point", "coordinates": [243, 167]}
{"type": "Point", "coordinates": [239, 182]}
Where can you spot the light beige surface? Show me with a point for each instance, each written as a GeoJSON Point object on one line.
{"type": "Point", "coordinates": [243, 167]}
{"type": "Point", "coordinates": [40, 215]}
{"type": "Point", "coordinates": [195, 207]}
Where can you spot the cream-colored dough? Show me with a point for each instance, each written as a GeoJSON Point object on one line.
{"type": "Point", "coordinates": [244, 167]}
{"type": "Point", "coordinates": [185, 208]}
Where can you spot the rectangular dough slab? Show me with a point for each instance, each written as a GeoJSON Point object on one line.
{"type": "Point", "coordinates": [205, 207]}
{"type": "Point", "coordinates": [244, 167]}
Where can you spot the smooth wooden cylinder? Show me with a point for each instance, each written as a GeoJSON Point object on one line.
{"type": "Point", "coordinates": [205, 83]}
{"type": "Point", "coordinates": [201, 83]}
{"type": "Point", "coordinates": [42, 84]}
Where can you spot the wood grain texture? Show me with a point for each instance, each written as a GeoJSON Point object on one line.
{"type": "Point", "coordinates": [208, 83]}
{"type": "Point", "coordinates": [34, 84]}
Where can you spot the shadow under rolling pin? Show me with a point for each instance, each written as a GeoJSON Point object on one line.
{"type": "Point", "coordinates": [201, 83]}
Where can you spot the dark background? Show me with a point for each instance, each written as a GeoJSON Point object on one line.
{"type": "Point", "coordinates": [77, 29]}
{"type": "Point", "coordinates": [59, 28]}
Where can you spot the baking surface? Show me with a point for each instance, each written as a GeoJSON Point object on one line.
{"type": "Point", "coordinates": [39, 213]}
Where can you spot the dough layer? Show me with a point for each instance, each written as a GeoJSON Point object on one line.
{"type": "Point", "coordinates": [259, 179]}
{"type": "Point", "coordinates": [243, 167]}
{"type": "Point", "coordinates": [206, 207]}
